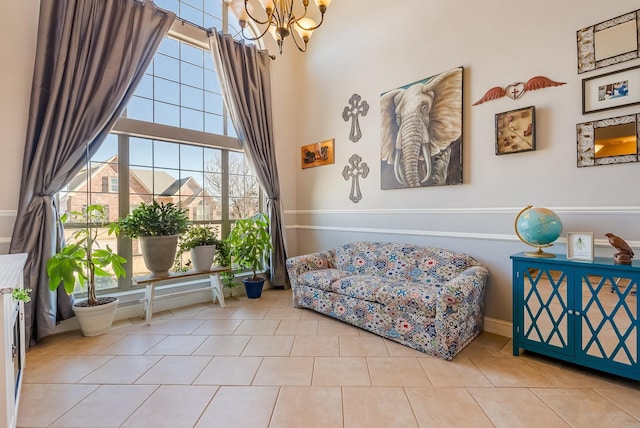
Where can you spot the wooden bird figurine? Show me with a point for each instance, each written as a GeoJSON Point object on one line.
{"type": "Point", "coordinates": [624, 254]}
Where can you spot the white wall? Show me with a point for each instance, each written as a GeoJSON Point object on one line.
{"type": "Point", "coordinates": [371, 46]}
{"type": "Point", "coordinates": [19, 26]}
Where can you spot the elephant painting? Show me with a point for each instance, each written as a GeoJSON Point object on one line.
{"type": "Point", "coordinates": [421, 133]}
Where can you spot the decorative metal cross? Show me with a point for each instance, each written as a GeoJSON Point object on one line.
{"type": "Point", "coordinates": [354, 172]}
{"type": "Point", "coordinates": [352, 111]}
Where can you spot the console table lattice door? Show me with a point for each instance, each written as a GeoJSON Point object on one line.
{"type": "Point", "coordinates": [584, 312]}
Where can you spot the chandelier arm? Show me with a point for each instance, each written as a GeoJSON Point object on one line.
{"type": "Point", "coordinates": [253, 39]}
{"type": "Point", "coordinates": [254, 19]}
{"type": "Point", "coordinates": [293, 36]}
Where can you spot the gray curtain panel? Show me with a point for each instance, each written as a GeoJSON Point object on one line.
{"type": "Point", "coordinates": [245, 79]}
{"type": "Point", "coordinates": [90, 57]}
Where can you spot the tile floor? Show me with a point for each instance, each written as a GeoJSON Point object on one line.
{"type": "Point", "coordinates": [262, 363]}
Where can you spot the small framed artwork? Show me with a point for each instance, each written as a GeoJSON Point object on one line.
{"type": "Point", "coordinates": [516, 131]}
{"type": "Point", "coordinates": [317, 154]}
{"type": "Point", "coordinates": [580, 246]}
{"type": "Point", "coordinates": [611, 90]}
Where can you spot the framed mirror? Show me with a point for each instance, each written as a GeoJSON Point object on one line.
{"type": "Point", "coordinates": [609, 42]}
{"type": "Point", "coordinates": [608, 141]}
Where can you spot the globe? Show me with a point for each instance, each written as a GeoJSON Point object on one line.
{"type": "Point", "coordinates": [538, 227]}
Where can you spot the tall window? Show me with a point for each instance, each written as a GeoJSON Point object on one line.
{"type": "Point", "coordinates": [174, 142]}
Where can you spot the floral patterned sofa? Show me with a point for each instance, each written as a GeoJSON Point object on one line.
{"type": "Point", "coordinates": [426, 298]}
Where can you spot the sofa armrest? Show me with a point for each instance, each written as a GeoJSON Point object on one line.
{"type": "Point", "coordinates": [298, 265]}
{"type": "Point", "coordinates": [469, 285]}
{"type": "Point", "coordinates": [459, 310]}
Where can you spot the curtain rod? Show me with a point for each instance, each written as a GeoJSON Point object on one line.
{"type": "Point", "coordinates": [210, 31]}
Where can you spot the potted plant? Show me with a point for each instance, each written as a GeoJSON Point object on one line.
{"type": "Point", "coordinates": [158, 226]}
{"type": "Point", "coordinates": [249, 242]}
{"type": "Point", "coordinates": [82, 260]}
{"type": "Point", "coordinates": [202, 242]}
{"type": "Point", "coordinates": [223, 258]}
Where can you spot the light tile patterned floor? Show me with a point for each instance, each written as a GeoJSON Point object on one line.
{"type": "Point", "coordinates": [262, 363]}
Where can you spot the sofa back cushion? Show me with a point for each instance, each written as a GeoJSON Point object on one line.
{"type": "Point", "coordinates": [409, 262]}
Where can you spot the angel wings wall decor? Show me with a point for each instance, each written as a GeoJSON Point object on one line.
{"type": "Point", "coordinates": [421, 133]}
{"type": "Point", "coordinates": [516, 90]}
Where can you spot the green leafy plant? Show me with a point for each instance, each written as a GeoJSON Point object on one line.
{"type": "Point", "coordinates": [82, 259]}
{"type": "Point", "coordinates": [21, 294]}
{"type": "Point", "coordinates": [155, 219]}
{"type": "Point", "coordinates": [249, 242]}
{"type": "Point", "coordinates": [223, 258]}
{"type": "Point", "coordinates": [196, 236]}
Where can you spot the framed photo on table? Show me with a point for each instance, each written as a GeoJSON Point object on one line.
{"type": "Point", "coordinates": [580, 246]}
{"type": "Point", "coordinates": [611, 90]}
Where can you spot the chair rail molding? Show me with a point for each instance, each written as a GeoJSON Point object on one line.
{"type": "Point", "coordinates": [629, 210]}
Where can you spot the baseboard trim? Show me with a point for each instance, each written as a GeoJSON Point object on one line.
{"type": "Point", "coordinates": [499, 327]}
{"type": "Point", "coordinates": [132, 310]}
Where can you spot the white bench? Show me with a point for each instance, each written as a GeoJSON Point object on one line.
{"type": "Point", "coordinates": [174, 277]}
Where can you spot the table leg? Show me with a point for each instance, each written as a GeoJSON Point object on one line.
{"type": "Point", "coordinates": [216, 289]}
{"type": "Point", "coordinates": [149, 295]}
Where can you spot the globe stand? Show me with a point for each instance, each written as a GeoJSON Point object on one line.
{"type": "Point", "coordinates": [539, 253]}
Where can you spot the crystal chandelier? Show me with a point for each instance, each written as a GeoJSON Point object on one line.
{"type": "Point", "coordinates": [279, 19]}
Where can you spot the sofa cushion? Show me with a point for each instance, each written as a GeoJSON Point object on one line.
{"type": "Point", "coordinates": [418, 264]}
{"type": "Point", "coordinates": [362, 287]}
{"type": "Point", "coordinates": [322, 278]}
{"type": "Point", "coordinates": [409, 297]}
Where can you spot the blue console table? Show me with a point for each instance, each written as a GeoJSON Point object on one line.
{"type": "Point", "coordinates": [578, 311]}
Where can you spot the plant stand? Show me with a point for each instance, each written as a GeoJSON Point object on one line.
{"type": "Point", "coordinates": [151, 282]}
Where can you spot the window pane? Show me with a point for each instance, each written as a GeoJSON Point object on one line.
{"type": "Point", "coordinates": [171, 5]}
{"type": "Point", "coordinates": [191, 157]}
{"type": "Point", "coordinates": [192, 119]}
{"type": "Point", "coordinates": [211, 83]}
{"type": "Point", "coordinates": [213, 184]}
{"type": "Point", "coordinates": [169, 47]}
{"type": "Point", "coordinates": [166, 114]}
{"type": "Point", "coordinates": [193, 183]}
{"type": "Point", "coordinates": [74, 201]}
{"type": "Point", "coordinates": [213, 8]}
{"type": "Point", "coordinates": [108, 150]}
{"type": "Point", "coordinates": [166, 154]}
{"type": "Point", "coordinates": [145, 88]}
{"type": "Point", "coordinates": [140, 151]}
{"type": "Point", "coordinates": [213, 103]}
{"type": "Point", "coordinates": [213, 160]}
{"type": "Point", "coordinates": [214, 124]}
{"type": "Point", "coordinates": [166, 183]}
{"type": "Point", "coordinates": [166, 91]}
{"type": "Point", "coordinates": [192, 75]}
{"type": "Point", "coordinates": [140, 185]}
{"type": "Point", "coordinates": [191, 14]}
{"type": "Point", "coordinates": [192, 54]}
{"type": "Point", "coordinates": [191, 97]}
{"type": "Point", "coordinates": [167, 67]}
{"type": "Point", "coordinates": [140, 109]}
{"type": "Point", "coordinates": [195, 3]}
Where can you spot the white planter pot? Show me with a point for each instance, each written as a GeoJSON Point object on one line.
{"type": "Point", "coordinates": [159, 253]}
{"type": "Point", "coordinates": [96, 320]}
{"type": "Point", "coordinates": [202, 257]}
